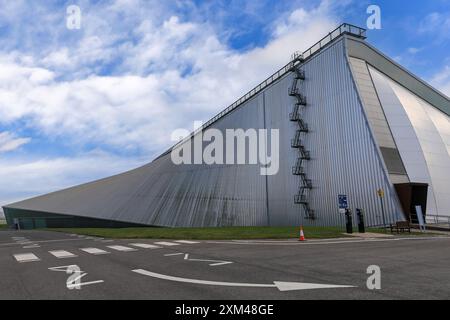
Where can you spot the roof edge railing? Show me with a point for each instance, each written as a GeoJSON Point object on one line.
{"type": "Point", "coordinates": [297, 58]}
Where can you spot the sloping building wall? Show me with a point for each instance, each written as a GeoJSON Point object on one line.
{"type": "Point", "coordinates": [344, 155]}
{"type": "Point", "coordinates": [344, 160]}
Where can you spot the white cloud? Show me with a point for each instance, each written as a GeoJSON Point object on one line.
{"type": "Point", "coordinates": [413, 50]}
{"type": "Point", "coordinates": [436, 24]}
{"type": "Point", "coordinates": [441, 80]}
{"type": "Point", "coordinates": [165, 73]}
{"type": "Point", "coordinates": [9, 141]}
{"type": "Point", "coordinates": [26, 178]}
{"type": "Point", "coordinates": [139, 110]}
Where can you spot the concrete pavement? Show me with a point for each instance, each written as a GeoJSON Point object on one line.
{"type": "Point", "coordinates": [34, 265]}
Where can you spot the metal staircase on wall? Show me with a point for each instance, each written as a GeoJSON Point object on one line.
{"type": "Point", "coordinates": [302, 197]}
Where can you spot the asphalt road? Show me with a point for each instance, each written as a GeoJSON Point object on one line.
{"type": "Point", "coordinates": [414, 268]}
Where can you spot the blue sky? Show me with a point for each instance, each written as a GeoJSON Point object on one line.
{"type": "Point", "coordinates": [77, 105]}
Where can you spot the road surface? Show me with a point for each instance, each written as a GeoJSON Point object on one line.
{"type": "Point", "coordinates": [35, 265]}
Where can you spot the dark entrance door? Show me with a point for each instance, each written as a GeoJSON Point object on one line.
{"type": "Point", "coordinates": [412, 195]}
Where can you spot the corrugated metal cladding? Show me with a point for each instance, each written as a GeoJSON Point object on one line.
{"type": "Point", "coordinates": [378, 122]}
{"type": "Point", "coordinates": [345, 160]}
{"type": "Point", "coordinates": [422, 133]}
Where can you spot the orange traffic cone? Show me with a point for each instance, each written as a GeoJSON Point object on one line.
{"type": "Point", "coordinates": [302, 235]}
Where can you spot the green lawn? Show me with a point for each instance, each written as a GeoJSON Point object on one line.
{"type": "Point", "coordinates": [208, 233]}
{"type": "Point", "coordinates": [3, 224]}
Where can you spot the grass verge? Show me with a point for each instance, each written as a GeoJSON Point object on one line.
{"type": "Point", "coordinates": [208, 233]}
{"type": "Point", "coordinates": [3, 226]}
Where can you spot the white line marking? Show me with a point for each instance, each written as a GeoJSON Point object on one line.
{"type": "Point", "coordinates": [164, 243]}
{"type": "Point", "coordinates": [105, 241]}
{"type": "Point", "coordinates": [220, 263]}
{"type": "Point", "coordinates": [61, 268]}
{"type": "Point", "coordinates": [32, 246]}
{"type": "Point", "coordinates": [26, 257]}
{"type": "Point", "coordinates": [325, 242]}
{"type": "Point", "coordinates": [216, 262]}
{"type": "Point", "coordinates": [280, 285]}
{"type": "Point", "coordinates": [62, 254]}
{"type": "Point", "coordinates": [173, 254]}
{"type": "Point", "coordinates": [186, 241]}
{"type": "Point", "coordinates": [94, 251]}
{"type": "Point", "coordinates": [122, 248]}
{"type": "Point", "coordinates": [144, 245]}
{"type": "Point", "coordinates": [43, 241]}
{"type": "Point", "coordinates": [70, 286]}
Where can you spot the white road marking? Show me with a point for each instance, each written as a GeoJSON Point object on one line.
{"type": "Point", "coordinates": [216, 262]}
{"type": "Point", "coordinates": [105, 241]}
{"type": "Point", "coordinates": [220, 263]}
{"type": "Point", "coordinates": [94, 251]}
{"type": "Point", "coordinates": [42, 241]}
{"type": "Point", "coordinates": [164, 243]}
{"type": "Point", "coordinates": [70, 286]}
{"type": "Point", "coordinates": [328, 241]}
{"type": "Point", "coordinates": [61, 268]}
{"type": "Point", "coordinates": [72, 283]}
{"type": "Point", "coordinates": [280, 285]}
{"type": "Point", "coordinates": [122, 248]}
{"type": "Point", "coordinates": [32, 246]}
{"type": "Point", "coordinates": [62, 254]}
{"type": "Point", "coordinates": [186, 241]}
{"type": "Point", "coordinates": [26, 257]}
{"type": "Point", "coordinates": [173, 254]}
{"type": "Point", "coordinates": [144, 245]}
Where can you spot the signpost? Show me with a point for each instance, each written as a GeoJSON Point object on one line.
{"type": "Point", "coordinates": [343, 208]}
{"type": "Point", "coordinates": [381, 195]}
{"type": "Point", "coordinates": [343, 203]}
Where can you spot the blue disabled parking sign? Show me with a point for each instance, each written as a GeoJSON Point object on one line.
{"type": "Point", "coordinates": [343, 204]}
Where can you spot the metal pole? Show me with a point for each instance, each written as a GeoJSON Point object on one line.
{"type": "Point", "coordinates": [382, 212]}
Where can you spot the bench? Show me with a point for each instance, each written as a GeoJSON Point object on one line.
{"type": "Point", "coordinates": [401, 226]}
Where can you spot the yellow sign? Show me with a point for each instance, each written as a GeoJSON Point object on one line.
{"type": "Point", "coordinates": [380, 193]}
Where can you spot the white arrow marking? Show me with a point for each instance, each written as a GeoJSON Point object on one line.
{"type": "Point", "coordinates": [282, 286]}
{"type": "Point", "coordinates": [216, 262]}
{"type": "Point", "coordinates": [69, 286]}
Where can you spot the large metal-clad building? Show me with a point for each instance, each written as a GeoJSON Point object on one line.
{"type": "Point", "coordinates": [351, 122]}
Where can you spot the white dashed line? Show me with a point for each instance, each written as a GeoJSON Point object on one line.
{"type": "Point", "coordinates": [186, 241]}
{"type": "Point", "coordinates": [163, 243]}
{"type": "Point", "coordinates": [26, 257]}
{"type": "Point", "coordinates": [173, 254]}
{"type": "Point", "coordinates": [122, 248]}
{"type": "Point", "coordinates": [94, 251]}
{"type": "Point", "coordinates": [62, 254]}
{"type": "Point", "coordinates": [32, 246]}
{"type": "Point", "coordinates": [144, 245]}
